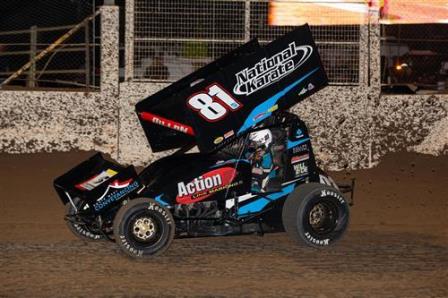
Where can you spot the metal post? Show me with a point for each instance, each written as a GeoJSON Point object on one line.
{"type": "Point", "coordinates": [94, 50]}
{"type": "Point", "coordinates": [87, 49]}
{"type": "Point", "coordinates": [31, 82]}
{"type": "Point", "coordinates": [247, 21]}
{"type": "Point", "coordinates": [129, 40]}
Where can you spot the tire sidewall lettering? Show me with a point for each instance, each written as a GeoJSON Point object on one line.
{"type": "Point", "coordinates": [156, 208]}
{"type": "Point", "coordinates": [129, 248]}
{"type": "Point", "coordinates": [334, 194]}
{"type": "Point", "coordinates": [321, 242]}
{"type": "Point", "coordinates": [86, 233]}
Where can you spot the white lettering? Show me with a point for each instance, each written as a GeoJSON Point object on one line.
{"type": "Point", "coordinates": [198, 184]}
{"type": "Point", "coordinates": [269, 70]}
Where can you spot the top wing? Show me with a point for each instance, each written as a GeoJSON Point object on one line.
{"type": "Point", "coordinates": [164, 115]}
{"type": "Point", "coordinates": [229, 96]}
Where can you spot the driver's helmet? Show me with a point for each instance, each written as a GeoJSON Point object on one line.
{"type": "Point", "coordinates": [261, 138]}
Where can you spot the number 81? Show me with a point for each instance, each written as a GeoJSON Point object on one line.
{"type": "Point", "coordinates": [213, 104]}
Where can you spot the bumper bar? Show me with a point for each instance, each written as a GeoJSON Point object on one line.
{"type": "Point", "coordinates": [349, 188]}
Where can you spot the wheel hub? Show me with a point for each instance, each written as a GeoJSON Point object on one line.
{"type": "Point", "coordinates": [144, 228]}
{"type": "Point", "coordinates": [317, 215]}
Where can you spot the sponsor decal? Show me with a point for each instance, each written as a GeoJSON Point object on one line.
{"type": "Point", "coordinates": [206, 185]}
{"type": "Point", "coordinates": [306, 89]}
{"type": "Point", "coordinates": [121, 188]}
{"type": "Point", "coordinates": [299, 133]}
{"type": "Point", "coordinates": [231, 202]}
{"type": "Point", "coordinates": [301, 148]}
{"type": "Point", "coordinates": [218, 140]}
{"type": "Point", "coordinates": [167, 123]}
{"type": "Point", "coordinates": [271, 69]}
{"type": "Point", "coordinates": [259, 116]}
{"type": "Point", "coordinates": [273, 108]}
{"type": "Point", "coordinates": [96, 180]}
{"type": "Point", "coordinates": [266, 114]}
{"type": "Point", "coordinates": [303, 157]}
{"type": "Point", "coordinates": [300, 169]}
{"type": "Point", "coordinates": [227, 135]}
{"type": "Point", "coordinates": [310, 87]}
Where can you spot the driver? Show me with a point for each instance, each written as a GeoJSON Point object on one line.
{"type": "Point", "coordinates": [261, 158]}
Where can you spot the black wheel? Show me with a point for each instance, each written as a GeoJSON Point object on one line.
{"type": "Point", "coordinates": [315, 214]}
{"type": "Point", "coordinates": [81, 230]}
{"type": "Point", "coordinates": [143, 228]}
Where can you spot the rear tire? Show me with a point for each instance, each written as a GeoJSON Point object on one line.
{"type": "Point", "coordinates": [81, 231]}
{"type": "Point", "coordinates": [143, 228]}
{"type": "Point", "coordinates": [316, 215]}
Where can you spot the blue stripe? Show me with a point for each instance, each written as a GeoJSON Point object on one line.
{"type": "Point", "coordinates": [292, 144]}
{"type": "Point", "coordinates": [159, 200]}
{"type": "Point", "coordinates": [259, 204]}
{"type": "Point", "coordinates": [266, 105]}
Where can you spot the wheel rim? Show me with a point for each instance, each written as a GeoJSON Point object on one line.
{"type": "Point", "coordinates": [323, 217]}
{"type": "Point", "coordinates": [144, 228]}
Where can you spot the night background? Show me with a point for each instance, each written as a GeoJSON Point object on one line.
{"type": "Point", "coordinates": [22, 14]}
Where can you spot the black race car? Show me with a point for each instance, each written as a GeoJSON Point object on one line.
{"type": "Point", "coordinates": [254, 172]}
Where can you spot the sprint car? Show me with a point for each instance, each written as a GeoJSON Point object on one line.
{"type": "Point", "coordinates": [253, 171]}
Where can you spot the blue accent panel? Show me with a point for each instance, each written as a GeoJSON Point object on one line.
{"type": "Point", "coordinates": [273, 174]}
{"type": "Point", "coordinates": [292, 144]}
{"type": "Point", "coordinates": [266, 105]}
{"type": "Point", "coordinates": [159, 200]}
{"type": "Point", "coordinates": [267, 161]}
{"type": "Point", "coordinates": [259, 204]}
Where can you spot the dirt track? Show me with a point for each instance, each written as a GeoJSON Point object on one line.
{"type": "Point", "coordinates": [397, 244]}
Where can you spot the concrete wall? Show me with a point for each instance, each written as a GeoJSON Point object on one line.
{"type": "Point", "coordinates": [351, 126]}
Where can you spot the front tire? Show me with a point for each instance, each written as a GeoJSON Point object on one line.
{"type": "Point", "coordinates": [143, 228]}
{"type": "Point", "coordinates": [316, 215]}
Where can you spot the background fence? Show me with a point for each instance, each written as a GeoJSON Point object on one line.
{"type": "Point", "coordinates": [173, 38]}
{"type": "Point", "coordinates": [72, 64]}
{"type": "Point", "coordinates": [414, 58]}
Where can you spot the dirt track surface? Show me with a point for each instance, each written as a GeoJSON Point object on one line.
{"type": "Point", "coordinates": [397, 245]}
